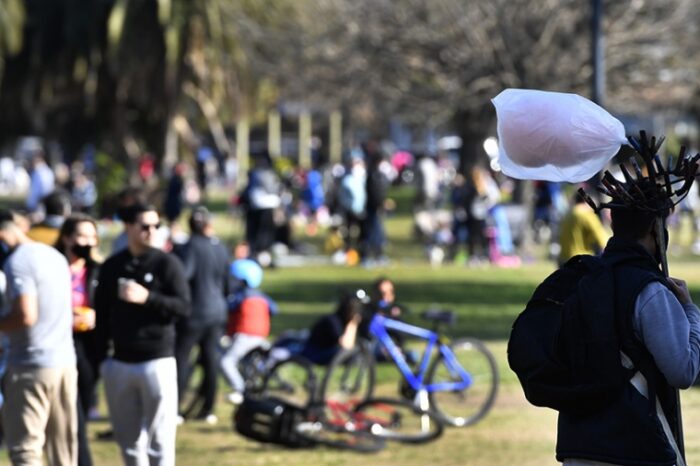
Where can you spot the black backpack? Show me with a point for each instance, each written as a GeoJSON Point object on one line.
{"type": "Point", "coordinates": [270, 420]}
{"type": "Point", "coordinates": [564, 347]}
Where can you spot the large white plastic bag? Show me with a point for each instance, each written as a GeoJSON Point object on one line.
{"type": "Point", "coordinates": [554, 136]}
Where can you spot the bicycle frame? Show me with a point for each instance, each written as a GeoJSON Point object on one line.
{"type": "Point", "coordinates": [379, 327]}
{"type": "Point", "coordinates": [343, 413]}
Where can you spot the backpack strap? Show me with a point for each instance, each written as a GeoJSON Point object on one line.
{"type": "Point", "coordinates": [639, 356]}
{"type": "Point", "coordinates": [639, 382]}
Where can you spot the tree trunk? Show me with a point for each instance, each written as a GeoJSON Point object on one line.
{"type": "Point", "coordinates": [473, 127]}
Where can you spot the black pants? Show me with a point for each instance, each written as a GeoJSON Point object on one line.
{"type": "Point", "coordinates": [88, 375]}
{"type": "Point", "coordinates": [260, 229]}
{"type": "Point", "coordinates": [84, 456]}
{"type": "Point", "coordinates": [206, 338]}
{"type": "Point", "coordinates": [87, 378]}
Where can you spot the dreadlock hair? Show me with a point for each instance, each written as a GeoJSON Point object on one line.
{"type": "Point", "coordinates": [649, 194]}
{"type": "Point", "coordinates": [633, 220]}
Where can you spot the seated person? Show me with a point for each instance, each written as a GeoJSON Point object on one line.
{"type": "Point", "coordinates": [248, 324]}
{"type": "Point", "coordinates": [334, 332]}
{"type": "Point", "coordinates": [384, 299]}
{"type": "Point", "coordinates": [383, 302]}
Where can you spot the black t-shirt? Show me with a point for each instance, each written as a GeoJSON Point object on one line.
{"type": "Point", "coordinates": [140, 332]}
{"type": "Point", "coordinates": [326, 332]}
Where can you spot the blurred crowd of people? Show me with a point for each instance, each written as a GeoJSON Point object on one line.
{"type": "Point", "coordinates": [136, 318]}
{"type": "Point", "coordinates": [132, 320]}
{"type": "Point", "coordinates": [474, 215]}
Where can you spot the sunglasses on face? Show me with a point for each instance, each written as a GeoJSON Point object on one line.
{"type": "Point", "coordinates": [148, 226]}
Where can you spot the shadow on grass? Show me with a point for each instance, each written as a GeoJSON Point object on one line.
{"type": "Point", "coordinates": [494, 326]}
{"type": "Point", "coordinates": [454, 292]}
{"type": "Point", "coordinates": [484, 310]}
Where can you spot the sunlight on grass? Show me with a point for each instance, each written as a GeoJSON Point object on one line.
{"type": "Point", "coordinates": [486, 300]}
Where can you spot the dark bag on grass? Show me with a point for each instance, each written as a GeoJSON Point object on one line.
{"type": "Point", "coordinates": [270, 420]}
{"type": "Point", "coordinates": [564, 346]}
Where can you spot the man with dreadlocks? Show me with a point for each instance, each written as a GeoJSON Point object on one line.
{"type": "Point", "coordinates": [605, 341]}
{"type": "Point", "coordinates": [658, 325]}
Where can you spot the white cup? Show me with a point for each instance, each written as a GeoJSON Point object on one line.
{"type": "Point", "coordinates": [122, 283]}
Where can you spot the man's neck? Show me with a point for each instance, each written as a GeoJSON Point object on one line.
{"type": "Point", "coordinates": [137, 250]}
{"type": "Point", "coordinates": [21, 238]}
{"type": "Point", "coordinates": [649, 244]}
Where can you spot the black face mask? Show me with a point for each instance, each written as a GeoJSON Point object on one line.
{"type": "Point", "coordinates": [5, 252]}
{"type": "Point", "coordinates": [82, 251]}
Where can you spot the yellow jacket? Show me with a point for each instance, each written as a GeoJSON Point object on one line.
{"type": "Point", "coordinates": [581, 232]}
{"type": "Point", "coordinates": [44, 234]}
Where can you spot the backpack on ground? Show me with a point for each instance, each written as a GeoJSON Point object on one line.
{"type": "Point", "coordinates": [564, 347]}
{"type": "Point", "coordinates": [270, 420]}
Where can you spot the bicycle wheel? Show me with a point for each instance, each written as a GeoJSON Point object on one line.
{"type": "Point", "coordinates": [323, 434]}
{"type": "Point", "coordinates": [252, 367]}
{"type": "Point", "coordinates": [349, 378]}
{"type": "Point", "coordinates": [463, 407]}
{"type": "Point", "coordinates": [398, 420]}
{"type": "Point", "coordinates": [291, 380]}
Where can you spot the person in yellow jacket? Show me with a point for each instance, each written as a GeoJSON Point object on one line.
{"type": "Point", "coordinates": [57, 208]}
{"type": "Point", "coordinates": [581, 232]}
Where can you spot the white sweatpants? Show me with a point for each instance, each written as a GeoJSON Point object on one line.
{"type": "Point", "coordinates": [142, 401]}
{"type": "Point", "coordinates": [241, 343]}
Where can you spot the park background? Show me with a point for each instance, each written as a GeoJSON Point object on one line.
{"type": "Point", "coordinates": [486, 300]}
{"type": "Point", "coordinates": [108, 81]}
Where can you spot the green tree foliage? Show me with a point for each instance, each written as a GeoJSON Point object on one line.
{"type": "Point", "coordinates": [440, 62]}
{"type": "Point", "coordinates": [111, 178]}
{"type": "Point", "coordinates": [119, 73]}
{"type": "Point", "coordinates": [122, 73]}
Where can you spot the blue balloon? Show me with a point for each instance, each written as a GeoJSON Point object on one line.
{"type": "Point", "coordinates": [248, 271]}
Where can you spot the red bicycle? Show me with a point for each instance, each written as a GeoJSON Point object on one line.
{"type": "Point", "coordinates": [365, 425]}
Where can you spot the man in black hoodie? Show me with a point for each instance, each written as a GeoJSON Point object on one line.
{"type": "Point", "coordinates": [142, 292]}
{"type": "Point", "coordinates": [206, 262]}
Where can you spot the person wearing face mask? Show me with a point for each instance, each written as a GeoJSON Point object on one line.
{"type": "Point", "coordinates": [40, 384]}
{"type": "Point", "coordinates": [77, 241]}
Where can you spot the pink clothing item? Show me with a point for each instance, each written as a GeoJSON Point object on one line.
{"type": "Point", "coordinates": [79, 287]}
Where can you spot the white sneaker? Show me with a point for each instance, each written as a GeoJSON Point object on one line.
{"type": "Point", "coordinates": [211, 419]}
{"type": "Point", "coordinates": [235, 398]}
{"type": "Point", "coordinates": [180, 420]}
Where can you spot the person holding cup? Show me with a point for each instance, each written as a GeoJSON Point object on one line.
{"type": "Point", "coordinates": [77, 241]}
{"type": "Point", "coordinates": [141, 294]}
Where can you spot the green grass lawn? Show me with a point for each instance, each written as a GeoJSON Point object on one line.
{"type": "Point", "coordinates": [486, 300]}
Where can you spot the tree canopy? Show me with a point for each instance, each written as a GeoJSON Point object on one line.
{"type": "Point", "coordinates": [131, 75]}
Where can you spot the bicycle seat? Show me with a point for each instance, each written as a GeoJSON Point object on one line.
{"type": "Point", "coordinates": [440, 316]}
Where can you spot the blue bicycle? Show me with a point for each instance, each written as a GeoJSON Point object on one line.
{"type": "Point", "coordinates": [458, 380]}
